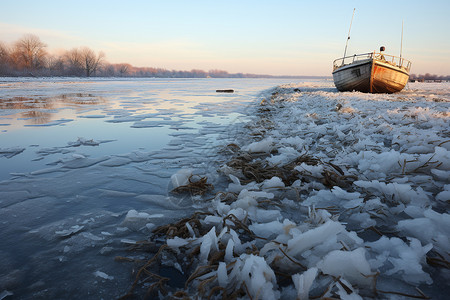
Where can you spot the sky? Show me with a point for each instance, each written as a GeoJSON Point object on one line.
{"type": "Point", "coordinates": [279, 37]}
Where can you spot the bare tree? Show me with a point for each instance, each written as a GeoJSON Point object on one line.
{"type": "Point", "coordinates": [90, 61]}
{"type": "Point", "coordinates": [198, 73]}
{"type": "Point", "coordinates": [108, 70]}
{"type": "Point", "coordinates": [4, 59]}
{"type": "Point", "coordinates": [55, 65]}
{"type": "Point", "coordinates": [218, 73]}
{"type": "Point", "coordinates": [29, 52]}
{"type": "Point", "coordinates": [74, 61]}
{"type": "Point", "coordinates": [123, 69]}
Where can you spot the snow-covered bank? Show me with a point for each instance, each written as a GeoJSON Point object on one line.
{"type": "Point", "coordinates": [357, 204]}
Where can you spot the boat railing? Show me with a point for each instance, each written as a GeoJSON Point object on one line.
{"type": "Point", "coordinates": [390, 59]}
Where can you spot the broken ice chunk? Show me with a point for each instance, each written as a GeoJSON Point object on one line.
{"type": "Point", "coordinates": [106, 250]}
{"type": "Point", "coordinates": [177, 242]}
{"type": "Point", "coordinates": [352, 265]}
{"type": "Point", "coordinates": [209, 243]}
{"type": "Point", "coordinates": [68, 232]}
{"type": "Point", "coordinates": [10, 152]}
{"type": "Point", "coordinates": [91, 236]}
{"type": "Point", "coordinates": [222, 276]}
{"type": "Point", "coordinates": [128, 241]}
{"type": "Point", "coordinates": [103, 275]}
{"type": "Point", "coordinates": [265, 145]}
{"type": "Point", "coordinates": [397, 257]}
{"type": "Point", "coordinates": [5, 294]}
{"type": "Point", "coordinates": [314, 237]}
{"type": "Point", "coordinates": [258, 276]}
{"type": "Point", "coordinates": [135, 220]}
{"type": "Point", "coordinates": [303, 282]}
{"type": "Point", "coordinates": [273, 183]}
{"type": "Point", "coordinates": [84, 142]}
{"type": "Point", "coordinates": [181, 177]}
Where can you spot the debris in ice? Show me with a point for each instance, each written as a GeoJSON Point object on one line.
{"type": "Point", "coordinates": [312, 195]}
{"type": "Point", "coordinates": [196, 185]}
{"type": "Point", "coordinates": [330, 198]}
{"type": "Point", "coordinates": [103, 275]}
{"type": "Point", "coordinates": [346, 290]}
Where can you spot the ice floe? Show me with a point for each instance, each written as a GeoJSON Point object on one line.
{"type": "Point", "coordinates": [10, 152]}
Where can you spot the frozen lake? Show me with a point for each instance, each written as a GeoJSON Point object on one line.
{"type": "Point", "coordinates": [77, 155]}
{"type": "Point", "coordinates": [317, 193]}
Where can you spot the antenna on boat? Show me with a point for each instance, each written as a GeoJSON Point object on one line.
{"type": "Point", "coordinates": [348, 37]}
{"type": "Point", "coordinates": [401, 45]}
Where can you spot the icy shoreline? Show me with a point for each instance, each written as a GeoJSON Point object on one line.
{"type": "Point", "coordinates": [330, 171]}
{"type": "Point", "coordinates": [76, 194]}
{"type": "Point", "coordinates": [366, 215]}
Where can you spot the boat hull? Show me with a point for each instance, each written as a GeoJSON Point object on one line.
{"type": "Point", "coordinates": [370, 76]}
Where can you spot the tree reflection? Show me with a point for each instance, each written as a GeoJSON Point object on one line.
{"type": "Point", "coordinates": [37, 110]}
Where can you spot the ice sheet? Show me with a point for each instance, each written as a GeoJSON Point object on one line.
{"type": "Point", "coordinates": [78, 155]}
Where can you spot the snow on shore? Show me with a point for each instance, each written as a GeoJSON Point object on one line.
{"type": "Point", "coordinates": [366, 214]}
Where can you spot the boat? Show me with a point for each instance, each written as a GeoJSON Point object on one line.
{"type": "Point", "coordinates": [374, 72]}
{"type": "Point", "coordinates": [371, 72]}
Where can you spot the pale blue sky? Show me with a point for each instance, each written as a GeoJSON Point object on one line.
{"type": "Point", "coordinates": [282, 37]}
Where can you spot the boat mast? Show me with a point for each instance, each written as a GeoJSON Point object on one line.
{"type": "Point", "coordinates": [401, 46]}
{"type": "Point", "coordinates": [348, 37]}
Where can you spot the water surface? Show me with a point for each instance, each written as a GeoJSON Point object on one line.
{"type": "Point", "coordinates": [77, 155]}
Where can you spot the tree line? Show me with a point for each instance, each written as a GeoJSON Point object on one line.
{"type": "Point", "coordinates": [429, 77]}
{"type": "Point", "coordinates": [29, 57]}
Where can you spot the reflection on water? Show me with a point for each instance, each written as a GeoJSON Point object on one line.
{"type": "Point", "coordinates": [37, 117]}
{"type": "Point", "coordinates": [43, 109]}
{"type": "Point", "coordinates": [139, 114]}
